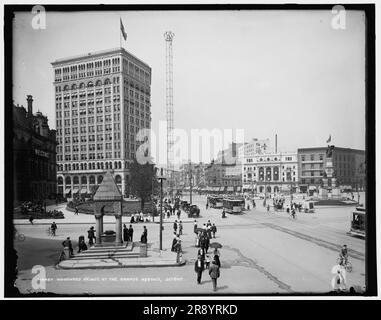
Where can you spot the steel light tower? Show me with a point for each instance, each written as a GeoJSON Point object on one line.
{"type": "Point", "coordinates": [168, 36]}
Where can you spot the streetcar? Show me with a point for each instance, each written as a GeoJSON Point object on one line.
{"type": "Point", "coordinates": [358, 222]}
{"type": "Point", "coordinates": [215, 201]}
{"type": "Point", "coordinates": [233, 205]}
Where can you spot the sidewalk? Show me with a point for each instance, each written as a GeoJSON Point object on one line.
{"type": "Point", "coordinates": [81, 218]}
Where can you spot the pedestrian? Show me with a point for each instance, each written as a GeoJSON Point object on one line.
{"type": "Point", "coordinates": [206, 244]}
{"type": "Point", "coordinates": [56, 201]}
{"type": "Point", "coordinates": [130, 233]}
{"type": "Point", "coordinates": [201, 253]}
{"type": "Point", "coordinates": [132, 220]}
{"type": "Point", "coordinates": [214, 273]}
{"type": "Point", "coordinates": [199, 268]}
{"type": "Point", "coordinates": [197, 240]}
{"type": "Point", "coordinates": [338, 282]}
{"type": "Point", "coordinates": [253, 203]}
{"type": "Point", "coordinates": [141, 216]}
{"type": "Point", "coordinates": [145, 232]}
{"type": "Point", "coordinates": [180, 228]}
{"type": "Point", "coordinates": [175, 226]}
{"type": "Point", "coordinates": [178, 214]}
{"type": "Point", "coordinates": [209, 231]}
{"type": "Point", "coordinates": [81, 244]}
{"type": "Point", "coordinates": [207, 205]}
{"type": "Point", "coordinates": [53, 228]}
{"type": "Point", "coordinates": [178, 250]}
{"type": "Point", "coordinates": [91, 235]}
{"type": "Point", "coordinates": [76, 210]}
{"type": "Point", "coordinates": [125, 233]}
{"type": "Point", "coordinates": [214, 230]}
{"type": "Point", "coordinates": [248, 206]}
{"type": "Point", "coordinates": [217, 260]}
{"type": "Point", "coordinates": [268, 208]}
{"type": "Point", "coordinates": [136, 216]}
{"type": "Point", "coordinates": [67, 244]}
{"type": "Point", "coordinates": [195, 226]}
{"type": "Point", "coordinates": [174, 241]}
{"type": "Point", "coordinates": [31, 219]}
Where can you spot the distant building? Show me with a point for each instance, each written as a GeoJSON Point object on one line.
{"type": "Point", "coordinates": [348, 165]}
{"type": "Point", "coordinates": [225, 176]}
{"type": "Point", "coordinates": [102, 101]}
{"type": "Point", "coordinates": [194, 170]}
{"type": "Point", "coordinates": [34, 155]}
{"type": "Point", "coordinates": [270, 172]}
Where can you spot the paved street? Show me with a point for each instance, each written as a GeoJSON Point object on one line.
{"type": "Point", "coordinates": [262, 253]}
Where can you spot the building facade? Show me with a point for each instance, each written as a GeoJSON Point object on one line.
{"type": "Point", "coordinates": [270, 172]}
{"type": "Point", "coordinates": [194, 170]}
{"type": "Point", "coordinates": [34, 155]}
{"type": "Point", "coordinates": [102, 101]}
{"type": "Point", "coordinates": [347, 163]}
{"type": "Point", "coordinates": [226, 176]}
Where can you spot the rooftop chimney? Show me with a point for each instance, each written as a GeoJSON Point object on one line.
{"type": "Point", "coordinates": [29, 99]}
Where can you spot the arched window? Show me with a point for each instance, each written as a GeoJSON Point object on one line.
{"type": "Point", "coordinates": [276, 174]}
{"type": "Point", "coordinates": [81, 85]}
{"type": "Point", "coordinates": [74, 86]}
{"type": "Point", "coordinates": [67, 180]}
{"type": "Point", "coordinates": [268, 173]}
{"type": "Point", "coordinates": [75, 180]}
{"type": "Point", "coordinates": [102, 165]}
{"type": "Point", "coordinates": [107, 81]}
{"type": "Point", "coordinates": [81, 166]}
{"type": "Point", "coordinates": [106, 165]}
{"type": "Point", "coordinates": [120, 164]}
{"type": "Point", "coordinates": [90, 84]}
{"type": "Point", "coordinates": [66, 88]}
{"type": "Point", "coordinates": [98, 83]}
{"type": "Point", "coordinates": [118, 179]}
{"type": "Point", "coordinates": [100, 178]}
{"type": "Point", "coordinates": [60, 180]}
{"type": "Point", "coordinates": [83, 180]}
{"type": "Point", "coordinates": [92, 180]}
{"type": "Point", "coordinates": [85, 166]}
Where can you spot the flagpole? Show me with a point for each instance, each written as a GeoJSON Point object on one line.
{"type": "Point", "coordinates": [120, 40]}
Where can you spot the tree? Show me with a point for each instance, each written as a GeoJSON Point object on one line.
{"type": "Point", "coordinates": [142, 180]}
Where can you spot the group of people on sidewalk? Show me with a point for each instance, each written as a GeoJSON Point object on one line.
{"type": "Point", "coordinates": [203, 262]}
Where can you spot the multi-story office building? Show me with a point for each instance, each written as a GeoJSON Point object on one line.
{"type": "Point", "coordinates": [34, 155]}
{"type": "Point", "coordinates": [102, 100]}
{"type": "Point", "coordinates": [347, 163]}
{"type": "Point", "coordinates": [270, 172]}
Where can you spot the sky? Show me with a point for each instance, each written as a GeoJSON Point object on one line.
{"type": "Point", "coordinates": [288, 73]}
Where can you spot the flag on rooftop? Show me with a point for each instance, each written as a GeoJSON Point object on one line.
{"type": "Point", "coordinates": [122, 30]}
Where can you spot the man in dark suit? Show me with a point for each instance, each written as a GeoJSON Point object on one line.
{"type": "Point", "coordinates": [214, 272]}
{"type": "Point", "coordinates": [130, 233]}
{"type": "Point", "coordinates": [199, 268]}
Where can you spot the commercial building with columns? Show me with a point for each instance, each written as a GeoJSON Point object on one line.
{"type": "Point", "coordinates": [270, 172]}
{"type": "Point", "coordinates": [102, 101]}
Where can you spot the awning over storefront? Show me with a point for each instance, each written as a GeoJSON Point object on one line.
{"type": "Point", "coordinates": [311, 188]}
{"type": "Point", "coordinates": [67, 190]}
{"type": "Point", "coordinates": [75, 190]}
{"type": "Point", "coordinates": [83, 190]}
{"type": "Point", "coordinates": [230, 189]}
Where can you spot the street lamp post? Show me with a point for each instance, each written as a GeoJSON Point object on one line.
{"type": "Point", "coordinates": [161, 178]}
{"type": "Point", "coordinates": [190, 183]}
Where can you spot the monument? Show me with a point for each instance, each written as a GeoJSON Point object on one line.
{"type": "Point", "coordinates": [108, 194]}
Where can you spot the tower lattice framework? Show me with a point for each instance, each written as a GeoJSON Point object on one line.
{"type": "Point", "coordinates": [168, 36]}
